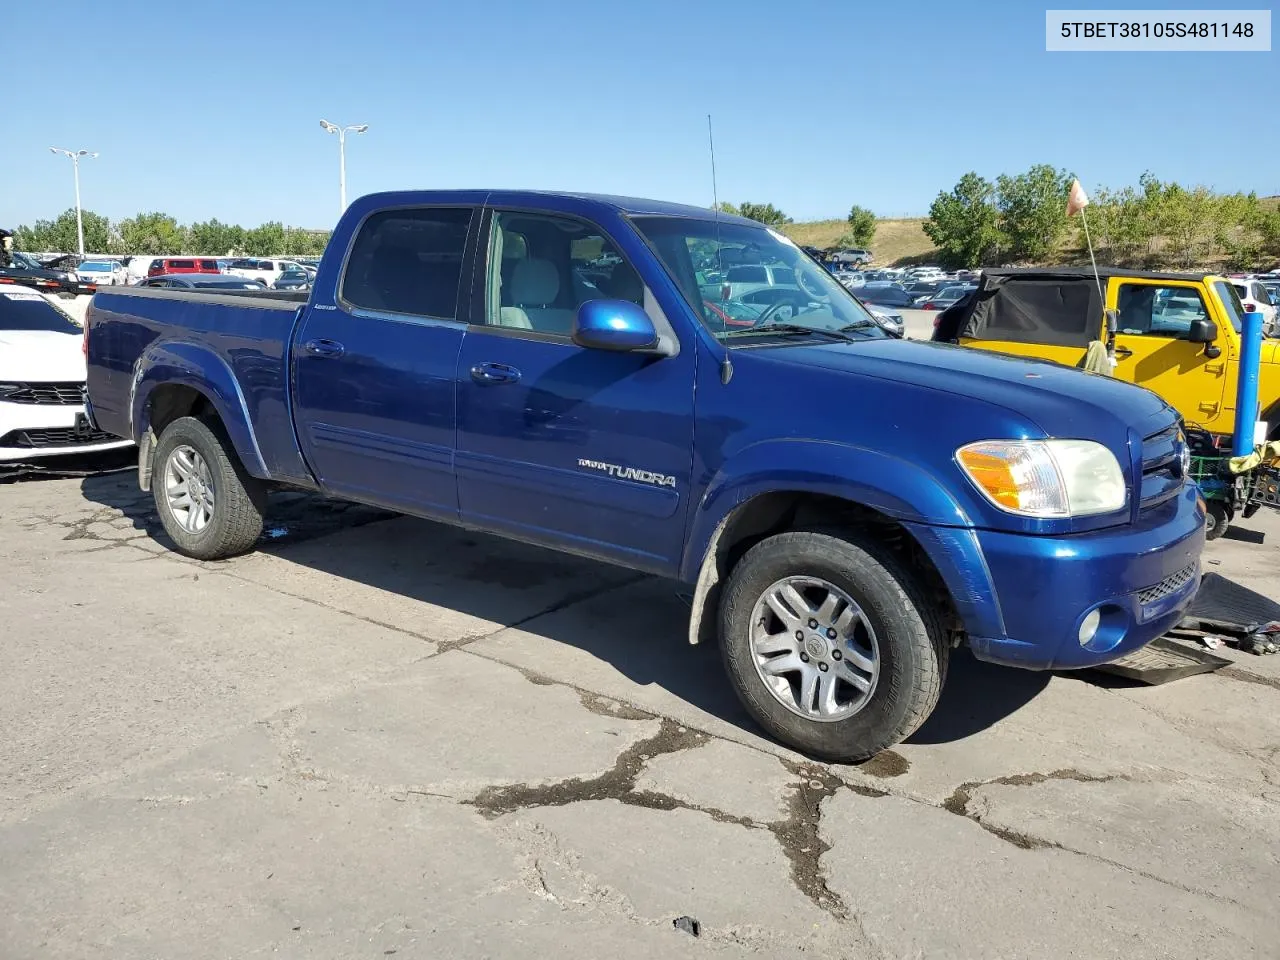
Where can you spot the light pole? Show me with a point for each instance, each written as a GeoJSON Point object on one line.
{"type": "Point", "coordinates": [342, 156]}
{"type": "Point", "coordinates": [75, 156]}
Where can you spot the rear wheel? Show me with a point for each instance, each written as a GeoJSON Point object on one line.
{"type": "Point", "coordinates": [210, 507]}
{"type": "Point", "coordinates": [1217, 517]}
{"type": "Point", "coordinates": [830, 644]}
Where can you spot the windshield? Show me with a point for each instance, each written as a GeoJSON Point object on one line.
{"type": "Point", "coordinates": [813, 300]}
{"type": "Point", "coordinates": [91, 266]}
{"type": "Point", "coordinates": [30, 311]}
{"type": "Point", "coordinates": [1231, 303]}
{"type": "Point", "coordinates": [25, 262]}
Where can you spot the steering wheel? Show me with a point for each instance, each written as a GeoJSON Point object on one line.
{"type": "Point", "coordinates": [775, 312]}
{"type": "Point", "coordinates": [806, 282]}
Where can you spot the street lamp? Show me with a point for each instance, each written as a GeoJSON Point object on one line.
{"type": "Point", "coordinates": [342, 156]}
{"type": "Point", "coordinates": [75, 156]}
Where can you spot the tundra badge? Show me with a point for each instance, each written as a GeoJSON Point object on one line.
{"type": "Point", "coordinates": [629, 473]}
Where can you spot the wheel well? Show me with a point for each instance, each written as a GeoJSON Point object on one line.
{"type": "Point", "coordinates": [771, 513]}
{"type": "Point", "coordinates": [172, 400]}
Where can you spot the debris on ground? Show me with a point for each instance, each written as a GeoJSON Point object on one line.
{"type": "Point", "coordinates": [1231, 612]}
{"type": "Point", "coordinates": [688, 924]}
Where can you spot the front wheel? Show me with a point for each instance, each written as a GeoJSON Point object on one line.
{"type": "Point", "coordinates": [831, 645]}
{"type": "Point", "coordinates": [209, 505]}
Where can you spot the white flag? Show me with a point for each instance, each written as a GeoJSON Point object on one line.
{"type": "Point", "coordinates": [1077, 199]}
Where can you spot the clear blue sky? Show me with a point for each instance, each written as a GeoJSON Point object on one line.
{"type": "Point", "coordinates": [213, 109]}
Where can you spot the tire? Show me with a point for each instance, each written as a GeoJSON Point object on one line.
{"type": "Point", "coordinates": [234, 522]}
{"type": "Point", "coordinates": [1217, 517]}
{"type": "Point", "coordinates": [909, 642]}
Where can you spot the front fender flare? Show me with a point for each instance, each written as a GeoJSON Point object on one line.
{"type": "Point", "coordinates": [890, 485]}
{"type": "Point", "coordinates": [894, 487]}
{"type": "Point", "coordinates": [196, 366]}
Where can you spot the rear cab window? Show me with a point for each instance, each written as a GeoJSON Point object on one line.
{"type": "Point", "coordinates": [408, 262]}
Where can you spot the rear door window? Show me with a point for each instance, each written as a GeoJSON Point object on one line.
{"type": "Point", "coordinates": [208, 264]}
{"type": "Point", "coordinates": [409, 262]}
{"type": "Point", "coordinates": [182, 264]}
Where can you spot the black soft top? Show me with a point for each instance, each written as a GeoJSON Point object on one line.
{"type": "Point", "coordinates": [1057, 306]}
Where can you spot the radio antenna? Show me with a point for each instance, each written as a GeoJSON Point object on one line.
{"type": "Point", "coordinates": [726, 362]}
{"type": "Point", "coordinates": [711, 141]}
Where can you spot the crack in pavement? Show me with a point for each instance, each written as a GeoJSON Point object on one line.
{"type": "Point", "coordinates": [801, 839]}
{"type": "Point", "coordinates": [1238, 673]}
{"type": "Point", "coordinates": [958, 802]}
{"type": "Point", "coordinates": [568, 600]}
{"type": "Point", "coordinates": [798, 836]}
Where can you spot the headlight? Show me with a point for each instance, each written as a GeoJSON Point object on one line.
{"type": "Point", "coordinates": [1045, 478]}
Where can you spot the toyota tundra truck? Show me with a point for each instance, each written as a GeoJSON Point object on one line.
{"type": "Point", "coordinates": [844, 506]}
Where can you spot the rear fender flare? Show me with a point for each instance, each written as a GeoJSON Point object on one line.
{"type": "Point", "coordinates": [196, 366]}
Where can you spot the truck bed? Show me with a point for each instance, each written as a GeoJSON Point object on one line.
{"type": "Point", "coordinates": [167, 332]}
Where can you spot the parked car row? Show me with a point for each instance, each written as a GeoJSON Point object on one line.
{"type": "Point", "coordinates": [75, 276]}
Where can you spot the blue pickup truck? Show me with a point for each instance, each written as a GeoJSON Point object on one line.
{"type": "Point", "coordinates": [846, 506]}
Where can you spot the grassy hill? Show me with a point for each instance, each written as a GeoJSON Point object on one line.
{"type": "Point", "coordinates": [896, 241]}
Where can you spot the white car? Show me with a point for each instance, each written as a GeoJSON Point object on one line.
{"type": "Point", "coordinates": [1256, 298]}
{"type": "Point", "coordinates": [266, 272]}
{"type": "Point", "coordinates": [102, 273]}
{"type": "Point", "coordinates": [42, 374]}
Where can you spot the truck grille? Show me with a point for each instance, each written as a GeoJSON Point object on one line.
{"type": "Point", "coordinates": [1162, 466]}
{"type": "Point", "coordinates": [67, 394]}
{"type": "Point", "coordinates": [1169, 585]}
{"type": "Point", "coordinates": [53, 437]}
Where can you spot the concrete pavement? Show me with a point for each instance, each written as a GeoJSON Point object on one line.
{"type": "Point", "coordinates": [378, 736]}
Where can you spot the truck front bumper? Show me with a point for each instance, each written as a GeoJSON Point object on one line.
{"type": "Point", "coordinates": [1042, 592]}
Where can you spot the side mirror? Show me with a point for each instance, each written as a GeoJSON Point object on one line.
{"type": "Point", "coordinates": [1202, 331]}
{"type": "Point", "coordinates": [617, 325]}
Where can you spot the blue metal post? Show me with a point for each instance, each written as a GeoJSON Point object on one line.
{"type": "Point", "coordinates": [1247, 391]}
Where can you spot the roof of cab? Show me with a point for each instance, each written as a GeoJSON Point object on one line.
{"type": "Point", "coordinates": [626, 205]}
{"type": "Point", "coordinates": [1087, 273]}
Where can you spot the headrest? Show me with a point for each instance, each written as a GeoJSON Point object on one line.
{"type": "Point", "coordinates": [534, 283]}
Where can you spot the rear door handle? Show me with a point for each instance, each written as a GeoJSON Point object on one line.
{"type": "Point", "coordinates": [1123, 352]}
{"type": "Point", "coordinates": [324, 348]}
{"type": "Point", "coordinates": [493, 373]}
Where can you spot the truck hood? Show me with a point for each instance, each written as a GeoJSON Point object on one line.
{"type": "Point", "coordinates": [40, 356]}
{"type": "Point", "coordinates": [1062, 401]}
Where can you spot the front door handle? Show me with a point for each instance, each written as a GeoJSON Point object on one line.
{"type": "Point", "coordinates": [1123, 352]}
{"type": "Point", "coordinates": [324, 348]}
{"type": "Point", "coordinates": [493, 373]}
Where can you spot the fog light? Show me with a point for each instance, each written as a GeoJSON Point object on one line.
{"type": "Point", "coordinates": [1089, 627]}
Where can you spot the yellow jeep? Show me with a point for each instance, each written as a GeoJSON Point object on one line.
{"type": "Point", "coordinates": [1177, 334]}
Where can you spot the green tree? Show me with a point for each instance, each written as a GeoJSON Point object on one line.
{"type": "Point", "coordinates": [265, 240]}
{"type": "Point", "coordinates": [151, 233]}
{"type": "Point", "coordinates": [1033, 211]}
{"type": "Point", "coordinates": [862, 226]}
{"type": "Point", "coordinates": [764, 213]}
{"type": "Point", "coordinates": [724, 206]}
{"type": "Point", "coordinates": [964, 224]}
{"type": "Point", "coordinates": [215, 238]}
{"type": "Point", "coordinates": [59, 235]}
{"type": "Point", "coordinates": [304, 243]}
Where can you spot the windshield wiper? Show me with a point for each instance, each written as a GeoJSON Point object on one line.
{"type": "Point", "coordinates": [794, 328]}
